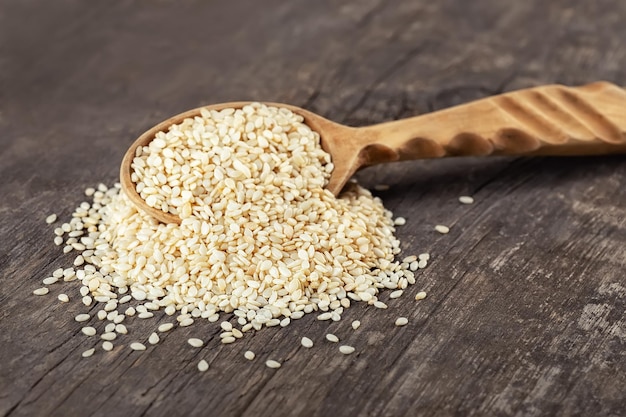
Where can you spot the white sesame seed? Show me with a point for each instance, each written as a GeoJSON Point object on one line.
{"type": "Point", "coordinates": [465, 199]}
{"type": "Point", "coordinates": [108, 336]}
{"type": "Point", "coordinates": [195, 342]}
{"type": "Point", "coordinates": [203, 366]}
{"type": "Point", "coordinates": [420, 295]}
{"type": "Point", "coordinates": [442, 229]}
{"type": "Point", "coordinates": [154, 339]}
{"type": "Point", "coordinates": [399, 221]}
{"type": "Point", "coordinates": [137, 346]}
{"type": "Point", "coordinates": [228, 340]}
{"type": "Point", "coordinates": [108, 346]}
{"type": "Point", "coordinates": [226, 326]}
{"type": "Point", "coordinates": [41, 291]}
{"type": "Point", "coordinates": [165, 327]}
{"type": "Point", "coordinates": [82, 317]}
{"type": "Point", "coordinates": [51, 218]}
{"type": "Point", "coordinates": [306, 342]}
{"type": "Point", "coordinates": [249, 355]}
{"type": "Point", "coordinates": [396, 294]}
{"type": "Point", "coordinates": [63, 298]}
{"type": "Point", "coordinates": [356, 324]}
{"type": "Point", "coordinates": [87, 300]}
{"type": "Point", "coordinates": [272, 364]}
{"type": "Point", "coordinates": [49, 280]}
{"type": "Point", "coordinates": [102, 315]}
{"type": "Point", "coordinates": [346, 350]}
{"type": "Point", "coordinates": [325, 316]}
{"type": "Point", "coordinates": [121, 329]}
{"type": "Point", "coordinates": [380, 304]}
{"type": "Point", "coordinates": [332, 338]}
{"type": "Point", "coordinates": [88, 331]}
{"type": "Point", "coordinates": [147, 315]}
{"type": "Point", "coordinates": [88, 353]}
{"type": "Point", "coordinates": [185, 322]}
{"type": "Point", "coordinates": [402, 321]}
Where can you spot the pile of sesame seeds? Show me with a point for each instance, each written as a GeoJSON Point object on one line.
{"type": "Point", "coordinates": [260, 238]}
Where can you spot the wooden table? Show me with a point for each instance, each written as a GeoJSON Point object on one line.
{"type": "Point", "coordinates": [525, 312]}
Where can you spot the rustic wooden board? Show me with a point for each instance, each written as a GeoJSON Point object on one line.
{"type": "Point", "coordinates": [527, 294]}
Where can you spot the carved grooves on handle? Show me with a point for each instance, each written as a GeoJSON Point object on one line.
{"type": "Point", "coordinates": [554, 115]}
{"type": "Point", "coordinates": [528, 120]}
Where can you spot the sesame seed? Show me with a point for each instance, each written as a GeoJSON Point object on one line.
{"type": "Point", "coordinates": [227, 340]}
{"type": "Point", "coordinates": [226, 326]}
{"type": "Point", "coordinates": [465, 199]}
{"type": "Point", "coordinates": [306, 342]}
{"type": "Point", "coordinates": [332, 338]}
{"type": "Point", "coordinates": [380, 304]}
{"type": "Point", "coordinates": [121, 329]}
{"type": "Point", "coordinates": [108, 336]}
{"type": "Point", "coordinates": [346, 350]}
{"type": "Point", "coordinates": [41, 291]}
{"type": "Point", "coordinates": [420, 295]}
{"type": "Point", "coordinates": [272, 364]}
{"type": "Point", "coordinates": [396, 294]}
{"type": "Point", "coordinates": [399, 221]}
{"type": "Point", "coordinates": [203, 366]}
{"type": "Point", "coordinates": [49, 280]}
{"type": "Point", "coordinates": [108, 346]}
{"type": "Point", "coordinates": [63, 298]}
{"type": "Point", "coordinates": [325, 316]}
{"type": "Point", "coordinates": [51, 218]}
{"type": "Point", "coordinates": [165, 327]}
{"type": "Point", "coordinates": [88, 353]}
{"type": "Point", "coordinates": [442, 229]}
{"type": "Point", "coordinates": [195, 342]}
{"type": "Point", "coordinates": [82, 317]}
{"type": "Point", "coordinates": [249, 355]}
{"type": "Point", "coordinates": [356, 324]}
{"type": "Point", "coordinates": [137, 346]}
{"type": "Point", "coordinates": [88, 331]}
{"type": "Point", "coordinates": [402, 321]}
{"type": "Point", "coordinates": [154, 339]}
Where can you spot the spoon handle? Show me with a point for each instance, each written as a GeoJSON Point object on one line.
{"type": "Point", "coordinates": [547, 120]}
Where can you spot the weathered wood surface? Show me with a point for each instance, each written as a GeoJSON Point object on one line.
{"type": "Point", "coordinates": [527, 294]}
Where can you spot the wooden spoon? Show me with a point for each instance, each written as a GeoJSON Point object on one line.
{"type": "Point", "coordinates": [547, 120]}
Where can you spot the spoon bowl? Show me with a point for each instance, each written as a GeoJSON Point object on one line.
{"type": "Point", "coordinates": [547, 120]}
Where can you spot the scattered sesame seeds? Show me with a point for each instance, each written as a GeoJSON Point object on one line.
{"type": "Point", "coordinates": [165, 327]}
{"type": "Point", "coordinates": [109, 336]}
{"type": "Point", "coordinates": [420, 295]}
{"type": "Point", "coordinates": [306, 342]}
{"type": "Point", "coordinates": [465, 199]}
{"type": "Point", "coordinates": [226, 326]}
{"type": "Point", "coordinates": [41, 291]}
{"type": "Point", "coordinates": [63, 298]}
{"type": "Point", "coordinates": [325, 316]}
{"type": "Point", "coordinates": [154, 338]}
{"type": "Point", "coordinates": [82, 317]}
{"type": "Point", "coordinates": [195, 342]}
{"type": "Point", "coordinates": [402, 321]}
{"type": "Point", "coordinates": [272, 364]}
{"type": "Point", "coordinates": [137, 346]}
{"type": "Point", "coordinates": [51, 218]}
{"type": "Point", "coordinates": [228, 339]}
{"type": "Point", "coordinates": [88, 331]}
{"type": "Point", "coordinates": [346, 350]}
{"type": "Point", "coordinates": [442, 229]}
{"type": "Point", "coordinates": [356, 324]}
{"type": "Point", "coordinates": [121, 329]}
{"type": "Point", "coordinates": [380, 304]}
{"type": "Point", "coordinates": [332, 338]}
{"type": "Point", "coordinates": [88, 353]}
{"type": "Point", "coordinates": [249, 355]}
{"type": "Point", "coordinates": [396, 294]}
{"type": "Point", "coordinates": [399, 221]}
{"type": "Point", "coordinates": [203, 366]}
{"type": "Point", "coordinates": [108, 346]}
{"type": "Point", "coordinates": [49, 280]}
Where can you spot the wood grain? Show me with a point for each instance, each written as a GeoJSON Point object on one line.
{"type": "Point", "coordinates": [527, 296]}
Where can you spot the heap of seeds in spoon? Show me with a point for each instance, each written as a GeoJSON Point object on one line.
{"type": "Point", "coordinates": [260, 236]}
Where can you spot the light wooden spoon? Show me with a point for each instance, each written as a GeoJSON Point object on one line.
{"type": "Point", "coordinates": [547, 120]}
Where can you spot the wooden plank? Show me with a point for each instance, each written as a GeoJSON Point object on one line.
{"type": "Point", "coordinates": [527, 296]}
